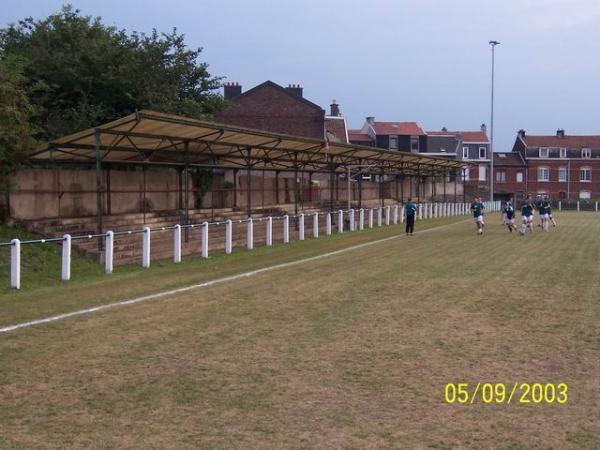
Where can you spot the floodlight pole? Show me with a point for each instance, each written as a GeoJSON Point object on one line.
{"type": "Point", "coordinates": [493, 45]}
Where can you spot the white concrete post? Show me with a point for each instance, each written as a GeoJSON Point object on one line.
{"type": "Point", "coordinates": [351, 217]}
{"type": "Point", "coordinates": [420, 213]}
{"type": "Point", "coordinates": [577, 205]}
{"type": "Point", "coordinates": [15, 264]}
{"type": "Point", "coordinates": [328, 224]}
{"type": "Point", "coordinates": [402, 215]}
{"type": "Point", "coordinates": [341, 221]}
{"type": "Point", "coordinates": [361, 219]}
{"type": "Point", "coordinates": [204, 244]}
{"type": "Point", "coordinates": [177, 244]}
{"type": "Point", "coordinates": [286, 229]}
{"type": "Point", "coordinates": [146, 247]}
{"type": "Point", "coordinates": [65, 272]}
{"type": "Point", "coordinates": [396, 214]}
{"type": "Point", "coordinates": [316, 225]}
{"type": "Point", "coordinates": [596, 206]}
{"type": "Point", "coordinates": [388, 209]}
{"type": "Point", "coordinates": [301, 227]}
{"type": "Point", "coordinates": [250, 233]}
{"type": "Point", "coordinates": [109, 245]}
{"type": "Point", "coordinates": [560, 205]}
{"type": "Point", "coordinates": [436, 210]}
{"type": "Point", "coordinates": [371, 218]}
{"type": "Point", "coordinates": [269, 231]}
{"type": "Point", "coordinates": [228, 235]}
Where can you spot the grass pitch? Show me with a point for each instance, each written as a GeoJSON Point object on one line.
{"type": "Point", "coordinates": [349, 351]}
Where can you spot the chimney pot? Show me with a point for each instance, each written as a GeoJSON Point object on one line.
{"type": "Point", "coordinates": [444, 129]}
{"type": "Point", "coordinates": [231, 90]}
{"type": "Point", "coordinates": [484, 127]}
{"type": "Point", "coordinates": [560, 133]}
{"type": "Point", "coordinates": [522, 133]}
{"type": "Point", "coordinates": [371, 120]}
{"type": "Point", "coordinates": [295, 89]}
{"type": "Point", "coordinates": [335, 109]}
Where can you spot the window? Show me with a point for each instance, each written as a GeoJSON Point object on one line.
{"type": "Point", "coordinates": [585, 174]}
{"type": "Point", "coordinates": [585, 194]}
{"type": "Point", "coordinates": [482, 152]}
{"type": "Point", "coordinates": [543, 152]}
{"type": "Point", "coordinates": [519, 177]}
{"type": "Point", "coordinates": [543, 174]}
{"type": "Point", "coordinates": [482, 172]}
{"type": "Point", "coordinates": [393, 142]}
{"type": "Point", "coordinates": [562, 174]}
{"type": "Point", "coordinates": [563, 152]}
{"type": "Point", "coordinates": [414, 143]}
{"type": "Point", "coordinates": [586, 153]}
{"type": "Point", "coordinates": [465, 175]}
{"type": "Point", "coordinates": [501, 177]}
{"type": "Point", "coordinates": [465, 152]}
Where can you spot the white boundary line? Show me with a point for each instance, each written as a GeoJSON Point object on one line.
{"type": "Point", "coordinates": [158, 295]}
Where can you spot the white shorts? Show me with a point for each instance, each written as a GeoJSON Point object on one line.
{"type": "Point", "coordinates": [479, 219]}
{"type": "Point", "coordinates": [545, 216]}
{"type": "Point", "coordinates": [527, 219]}
{"type": "Point", "coordinates": [511, 221]}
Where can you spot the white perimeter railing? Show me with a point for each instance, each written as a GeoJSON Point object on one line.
{"type": "Point", "coordinates": [385, 214]}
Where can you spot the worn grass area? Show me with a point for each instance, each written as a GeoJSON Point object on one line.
{"type": "Point", "coordinates": [351, 351]}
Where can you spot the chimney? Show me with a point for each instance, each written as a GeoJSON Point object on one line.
{"type": "Point", "coordinates": [335, 108]}
{"type": "Point", "coordinates": [295, 89]}
{"type": "Point", "coordinates": [484, 127]}
{"type": "Point", "coordinates": [371, 120]}
{"type": "Point", "coordinates": [560, 133]}
{"type": "Point", "coordinates": [231, 90]}
{"type": "Point", "coordinates": [444, 129]}
{"type": "Point", "coordinates": [521, 133]}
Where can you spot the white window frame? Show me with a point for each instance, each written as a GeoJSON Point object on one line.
{"type": "Point", "coordinates": [519, 177]}
{"type": "Point", "coordinates": [500, 176]}
{"type": "Point", "coordinates": [541, 170]}
{"type": "Point", "coordinates": [482, 170]}
{"type": "Point", "coordinates": [484, 152]}
{"type": "Point", "coordinates": [585, 195]}
{"type": "Point", "coordinates": [543, 152]}
{"type": "Point", "coordinates": [565, 171]}
{"type": "Point", "coordinates": [582, 177]}
{"type": "Point", "coordinates": [417, 140]}
{"type": "Point", "coordinates": [563, 152]}
{"type": "Point", "coordinates": [586, 153]}
{"type": "Point", "coordinates": [465, 152]}
{"type": "Point", "coordinates": [390, 146]}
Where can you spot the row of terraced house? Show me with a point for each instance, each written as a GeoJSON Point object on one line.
{"type": "Point", "coordinates": [560, 165]}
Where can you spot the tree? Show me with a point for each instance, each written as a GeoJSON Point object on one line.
{"type": "Point", "coordinates": [80, 73]}
{"type": "Point", "coordinates": [15, 128]}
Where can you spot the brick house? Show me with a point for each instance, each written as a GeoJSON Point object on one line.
{"type": "Point", "coordinates": [401, 136]}
{"type": "Point", "coordinates": [471, 146]}
{"type": "Point", "coordinates": [561, 165]}
{"type": "Point", "coordinates": [509, 176]}
{"type": "Point", "coordinates": [271, 107]}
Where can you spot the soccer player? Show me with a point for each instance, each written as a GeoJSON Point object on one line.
{"type": "Point", "coordinates": [538, 206]}
{"type": "Point", "coordinates": [477, 210]}
{"type": "Point", "coordinates": [548, 206]}
{"type": "Point", "coordinates": [510, 217]}
{"type": "Point", "coordinates": [543, 214]}
{"type": "Point", "coordinates": [410, 210]}
{"type": "Point", "coordinates": [527, 213]}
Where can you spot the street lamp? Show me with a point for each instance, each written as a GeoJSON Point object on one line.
{"type": "Point", "coordinates": [493, 45]}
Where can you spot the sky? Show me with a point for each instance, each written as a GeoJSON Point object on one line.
{"type": "Point", "coordinates": [406, 60]}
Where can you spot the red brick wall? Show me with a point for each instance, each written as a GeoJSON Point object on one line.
{"type": "Point", "coordinates": [270, 109]}
{"type": "Point", "coordinates": [510, 186]}
{"type": "Point", "coordinates": [554, 188]}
